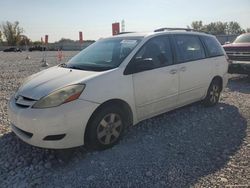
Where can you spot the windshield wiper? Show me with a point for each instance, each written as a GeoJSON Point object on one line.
{"type": "Point", "coordinates": [75, 67]}
{"type": "Point", "coordinates": [62, 65]}
{"type": "Point", "coordinates": [90, 68]}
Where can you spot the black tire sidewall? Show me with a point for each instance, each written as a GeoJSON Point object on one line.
{"type": "Point", "coordinates": [207, 101]}
{"type": "Point", "coordinates": [91, 140]}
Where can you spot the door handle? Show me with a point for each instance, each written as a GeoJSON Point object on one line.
{"type": "Point", "coordinates": [183, 69]}
{"type": "Point", "coordinates": [173, 71]}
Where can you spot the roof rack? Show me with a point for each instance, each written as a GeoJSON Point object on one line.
{"type": "Point", "coordinates": [173, 29]}
{"type": "Point", "coordinates": [121, 33]}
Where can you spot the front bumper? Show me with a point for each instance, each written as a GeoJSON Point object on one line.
{"type": "Point", "coordinates": [239, 67]}
{"type": "Point", "coordinates": [34, 125]}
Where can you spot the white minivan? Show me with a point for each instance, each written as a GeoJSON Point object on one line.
{"type": "Point", "coordinates": [117, 82]}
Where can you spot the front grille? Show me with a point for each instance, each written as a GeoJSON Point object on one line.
{"type": "Point", "coordinates": [239, 58]}
{"type": "Point", "coordinates": [22, 105]}
{"type": "Point", "coordinates": [238, 55]}
{"type": "Point", "coordinates": [27, 99]}
{"type": "Point", "coordinates": [24, 102]}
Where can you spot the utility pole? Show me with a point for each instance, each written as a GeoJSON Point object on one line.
{"type": "Point", "coordinates": [123, 26]}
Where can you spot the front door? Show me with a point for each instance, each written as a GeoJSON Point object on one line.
{"type": "Point", "coordinates": [155, 90]}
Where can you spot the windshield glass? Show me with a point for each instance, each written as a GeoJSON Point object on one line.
{"type": "Point", "coordinates": [104, 54]}
{"type": "Point", "coordinates": [245, 38]}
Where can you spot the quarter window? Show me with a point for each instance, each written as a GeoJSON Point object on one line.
{"type": "Point", "coordinates": [189, 48]}
{"type": "Point", "coordinates": [213, 47]}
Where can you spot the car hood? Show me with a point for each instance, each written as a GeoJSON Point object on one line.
{"type": "Point", "coordinates": [47, 81]}
{"type": "Point", "coordinates": [233, 46]}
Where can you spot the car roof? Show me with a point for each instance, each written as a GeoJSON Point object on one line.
{"type": "Point", "coordinates": [147, 34]}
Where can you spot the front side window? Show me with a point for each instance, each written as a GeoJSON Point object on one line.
{"type": "Point", "coordinates": [189, 48]}
{"type": "Point", "coordinates": [213, 47]}
{"type": "Point", "coordinates": [157, 51]}
{"type": "Point", "coordinates": [104, 54]}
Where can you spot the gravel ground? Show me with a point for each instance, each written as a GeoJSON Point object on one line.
{"type": "Point", "coordinates": [190, 147]}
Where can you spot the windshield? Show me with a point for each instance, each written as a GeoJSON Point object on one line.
{"type": "Point", "coordinates": [104, 54]}
{"type": "Point", "coordinates": [245, 38]}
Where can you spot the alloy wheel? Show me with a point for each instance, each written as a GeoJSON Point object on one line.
{"type": "Point", "coordinates": [214, 94]}
{"type": "Point", "coordinates": [109, 128]}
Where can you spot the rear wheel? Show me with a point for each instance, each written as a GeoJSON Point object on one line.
{"type": "Point", "coordinates": [213, 93]}
{"type": "Point", "coordinates": [105, 128]}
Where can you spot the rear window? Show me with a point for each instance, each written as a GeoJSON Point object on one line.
{"type": "Point", "coordinates": [189, 48]}
{"type": "Point", "coordinates": [213, 47]}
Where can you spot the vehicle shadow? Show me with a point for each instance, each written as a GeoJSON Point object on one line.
{"type": "Point", "coordinates": [174, 149]}
{"type": "Point", "coordinates": [239, 84]}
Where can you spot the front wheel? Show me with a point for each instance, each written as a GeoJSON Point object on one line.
{"type": "Point", "coordinates": [213, 94]}
{"type": "Point", "coordinates": [105, 128]}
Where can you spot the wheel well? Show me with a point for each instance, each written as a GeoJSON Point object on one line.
{"type": "Point", "coordinates": [118, 102]}
{"type": "Point", "coordinates": [219, 80]}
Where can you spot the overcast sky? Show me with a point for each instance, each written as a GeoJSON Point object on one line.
{"type": "Point", "coordinates": [65, 18]}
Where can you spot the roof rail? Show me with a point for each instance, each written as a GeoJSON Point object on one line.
{"type": "Point", "coordinates": [121, 33]}
{"type": "Point", "coordinates": [173, 29]}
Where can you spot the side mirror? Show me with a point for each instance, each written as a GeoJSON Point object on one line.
{"type": "Point", "coordinates": [144, 64]}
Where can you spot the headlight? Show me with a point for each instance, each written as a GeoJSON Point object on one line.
{"type": "Point", "coordinates": [61, 96]}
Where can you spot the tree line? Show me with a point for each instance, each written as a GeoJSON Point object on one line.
{"type": "Point", "coordinates": [12, 33]}
{"type": "Point", "coordinates": [219, 28]}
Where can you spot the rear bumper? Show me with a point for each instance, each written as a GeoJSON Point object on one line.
{"type": "Point", "coordinates": [239, 67]}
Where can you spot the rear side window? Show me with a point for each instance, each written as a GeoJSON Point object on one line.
{"type": "Point", "coordinates": [189, 48]}
{"type": "Point", "coordinates": [213, 47]}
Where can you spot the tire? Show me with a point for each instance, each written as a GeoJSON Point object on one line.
{"type": "Point", "coordinates": [105, 128]}
{"type": "Point", "coordinates": [213, 94]}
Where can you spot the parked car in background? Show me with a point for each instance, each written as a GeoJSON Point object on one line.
{"type": "Point", "coordinates": [13, 49]}
{"type": "Point", "coordinates": [117, 82]}
{"type": "Point", "coordinates": [239, 54]}
{"type": "Point", "coordinates": [37, 48]}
